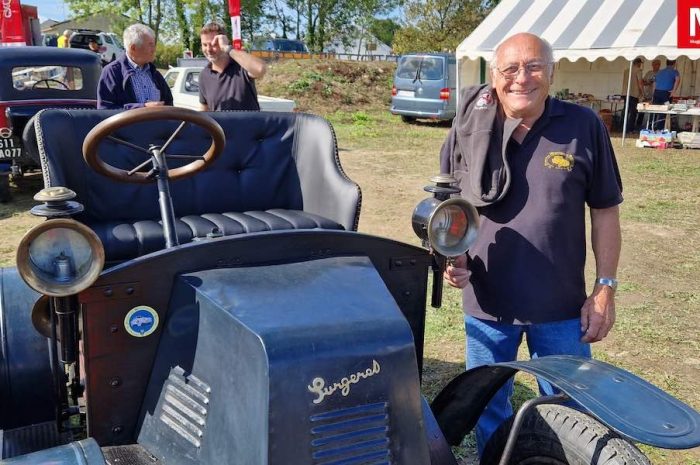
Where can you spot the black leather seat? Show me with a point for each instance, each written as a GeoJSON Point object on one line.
{"type": "Point", "coordinates": [278, 171]}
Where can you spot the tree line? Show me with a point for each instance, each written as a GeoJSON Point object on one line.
{"type": "Point", "coordinates": [424, 25]}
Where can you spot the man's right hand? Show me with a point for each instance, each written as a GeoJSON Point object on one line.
{"type": "Point", "coordinates": [456, 274]}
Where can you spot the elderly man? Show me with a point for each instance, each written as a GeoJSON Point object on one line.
{"type": "Point", "coordinates": [530, 163]}
{"type": "Point", "coordinates": [228, 81]}
{"type": "Point", "coordinates": [132, 81]}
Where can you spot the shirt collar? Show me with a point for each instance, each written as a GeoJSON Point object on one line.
{"type": "Point", "coordinates": [133, 65]}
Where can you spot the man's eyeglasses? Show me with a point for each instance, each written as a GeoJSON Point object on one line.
{"type": "Point", "coordinates": [535, 68]}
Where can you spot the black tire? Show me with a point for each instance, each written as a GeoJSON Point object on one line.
{"type": "Point", "coordinates": [557, 435]}
{"type": "Point", "coordinates": [407, 119]}
{"type": "Point", "coordinates": [5, 195]}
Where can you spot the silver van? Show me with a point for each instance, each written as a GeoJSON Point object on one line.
{"type": "Point", "coordinates": [425, 86]}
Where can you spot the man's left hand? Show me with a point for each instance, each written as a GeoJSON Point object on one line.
{"type": "Point", "coordinates": [598, 314]}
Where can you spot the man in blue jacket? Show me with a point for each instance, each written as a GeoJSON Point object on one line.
{"type": "Point", "coordinates": [132, 81]}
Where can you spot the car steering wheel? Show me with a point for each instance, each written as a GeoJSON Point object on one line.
{"type": "Point", "coordinates": [47, 81]}
{"type": "Point", "coordinates": [106, 128]}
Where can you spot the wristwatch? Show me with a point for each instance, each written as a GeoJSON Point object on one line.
{"type": "Point", "coordinates": [610, 282]}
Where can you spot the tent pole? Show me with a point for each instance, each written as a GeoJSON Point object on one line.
{"type": "Point", "coordinates": [627, 104]}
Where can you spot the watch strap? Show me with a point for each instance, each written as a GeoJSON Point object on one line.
{"type": "Point", "coordinates": [610, 282]}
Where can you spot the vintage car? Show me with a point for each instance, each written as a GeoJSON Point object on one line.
{"type": "Point", "coordinates": [31, 79]}
{"type": "Point", "coordinates": [184, 84]}
{"type": "Point", "coordinates": [199, 294]}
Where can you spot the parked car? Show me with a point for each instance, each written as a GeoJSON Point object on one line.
{"type": "Point", "coordinates": [184, 84]}
{"type": "Point", "coordinates": [110, 46]}
{"type": "Point", "coordinates": [279, 45]}
{"type": "Point", "coordinates": [425, 86]}
{"type": "Point", "coordinates": [240, 318]}
{"type": "Point", "coordinates": [31, 79]}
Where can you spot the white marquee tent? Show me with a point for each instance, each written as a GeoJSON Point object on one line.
{"type": "Point", "coordinates": [594, 41]}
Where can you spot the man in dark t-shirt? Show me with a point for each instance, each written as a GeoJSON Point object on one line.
{"type": "Point", "coordinates": [228, 81]}
{"type": "Point", "coordinates": [531, 164]}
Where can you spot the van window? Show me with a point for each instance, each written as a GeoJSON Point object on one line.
{"type": "Point", "coordinates": [420, 67]}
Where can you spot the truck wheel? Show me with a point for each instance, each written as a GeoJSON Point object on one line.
{"type": "Point", "coordinates": [407, 119]}
{"type": "Point", "coordinates": [557, 435]}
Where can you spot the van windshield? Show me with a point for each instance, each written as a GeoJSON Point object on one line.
{"type": "Point", "coordinates": [420, 67]}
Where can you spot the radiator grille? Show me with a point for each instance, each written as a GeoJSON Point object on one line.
{"type": "Point", "coordinates": [185, 404]}
{"type": "Point", "coordinates": [352, 436]}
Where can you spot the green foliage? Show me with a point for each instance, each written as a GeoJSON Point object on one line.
{"type": "Point", "coordinates": [360, 118]}
{"type": "Point", "coordinates": [439, 25]}
{"type": "Point", "coordinates": [383, 29]}
{"type": "Point", "coordinates": [167, 55]}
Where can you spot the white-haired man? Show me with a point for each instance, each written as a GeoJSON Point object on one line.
{"type": "Point", "coordinates": [132, 81]}
{"type": "Point", "coordinates": [531, 163]}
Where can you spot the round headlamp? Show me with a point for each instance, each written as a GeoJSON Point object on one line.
{"type": "Point", "coordinates": [449, 227]}
{"type": "Point", "coordinates": [60, 257]}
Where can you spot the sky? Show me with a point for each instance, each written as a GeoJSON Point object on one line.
{"type": "Point", "coordinates": [49, 9]}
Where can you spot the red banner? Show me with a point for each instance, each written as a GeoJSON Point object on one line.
{"type": "Point", "coordinates": [11, 27]}
{"type": "Point", "coordinates": [234, 11]}
{"type": "Point", "coordinates": [688, 22]}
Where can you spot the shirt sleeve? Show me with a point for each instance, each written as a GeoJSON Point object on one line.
{"type": "Point", "coordinates": [605, 184]}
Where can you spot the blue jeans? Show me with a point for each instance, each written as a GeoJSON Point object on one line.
{"type": "Point", "coordinates": [492, 342]}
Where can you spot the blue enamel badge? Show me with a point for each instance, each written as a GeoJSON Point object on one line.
{"type": "Point", "coordinates": [141, 321]}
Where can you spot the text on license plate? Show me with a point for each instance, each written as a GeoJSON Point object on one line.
{"type": "Point", "coordinates": [406, 93]}
{"type": "Point", "coordinates": [8, 149]}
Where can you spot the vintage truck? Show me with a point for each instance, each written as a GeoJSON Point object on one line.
{"type": "Point", "coordinates": [199, 294]}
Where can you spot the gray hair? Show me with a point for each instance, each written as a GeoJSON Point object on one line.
{"type": "Point", "coordinates": [134, 35]}
{"type": "Point", "coordinates": [546, 48]}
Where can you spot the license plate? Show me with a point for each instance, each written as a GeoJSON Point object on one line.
{"type": "Point", "coordinates": [10, 148]}
{"type": "Point", "coordinates": [405, 93]}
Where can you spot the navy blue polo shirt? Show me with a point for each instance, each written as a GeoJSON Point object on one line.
{"type": "Point", "coordinates": [232, 89]}
{"type": "Point", "coordinates": [527, 264]}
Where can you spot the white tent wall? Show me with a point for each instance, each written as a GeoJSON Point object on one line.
{"type": "Point", "coordinates": [599, 78]}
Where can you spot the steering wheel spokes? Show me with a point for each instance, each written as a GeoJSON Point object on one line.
{"type": "Point", "coordinates": [156, 153]}
{"type": "Point", "coordinates": [48, 82]}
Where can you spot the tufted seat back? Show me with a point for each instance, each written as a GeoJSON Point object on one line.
{"type": "Point", "coordinates": [277, 171]}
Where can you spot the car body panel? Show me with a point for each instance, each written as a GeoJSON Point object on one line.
{"type": "Point", "coordinates": [184, 84]}
{"type": "Point", "coordinates": [629, 405]}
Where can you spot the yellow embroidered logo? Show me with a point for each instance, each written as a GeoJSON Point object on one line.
{"type": "Point", "coordinates": [560, 161]}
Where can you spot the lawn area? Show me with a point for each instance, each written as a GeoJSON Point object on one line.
{"type": "Point", "coordinates": [656, 334]}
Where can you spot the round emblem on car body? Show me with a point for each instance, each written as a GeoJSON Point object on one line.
{"type": "Point", "coordinates": [141, 321]}
{"type": "Point", "coordinates": [5, 133]}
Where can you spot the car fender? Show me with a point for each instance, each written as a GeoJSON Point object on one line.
{"type": "Point", "coordinates": [25, 371]}
{"type": "Point", "coordinates": [627, 404]}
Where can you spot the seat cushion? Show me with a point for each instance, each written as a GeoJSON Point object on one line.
{"type": "Point", "coordinates": [124, 241]}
